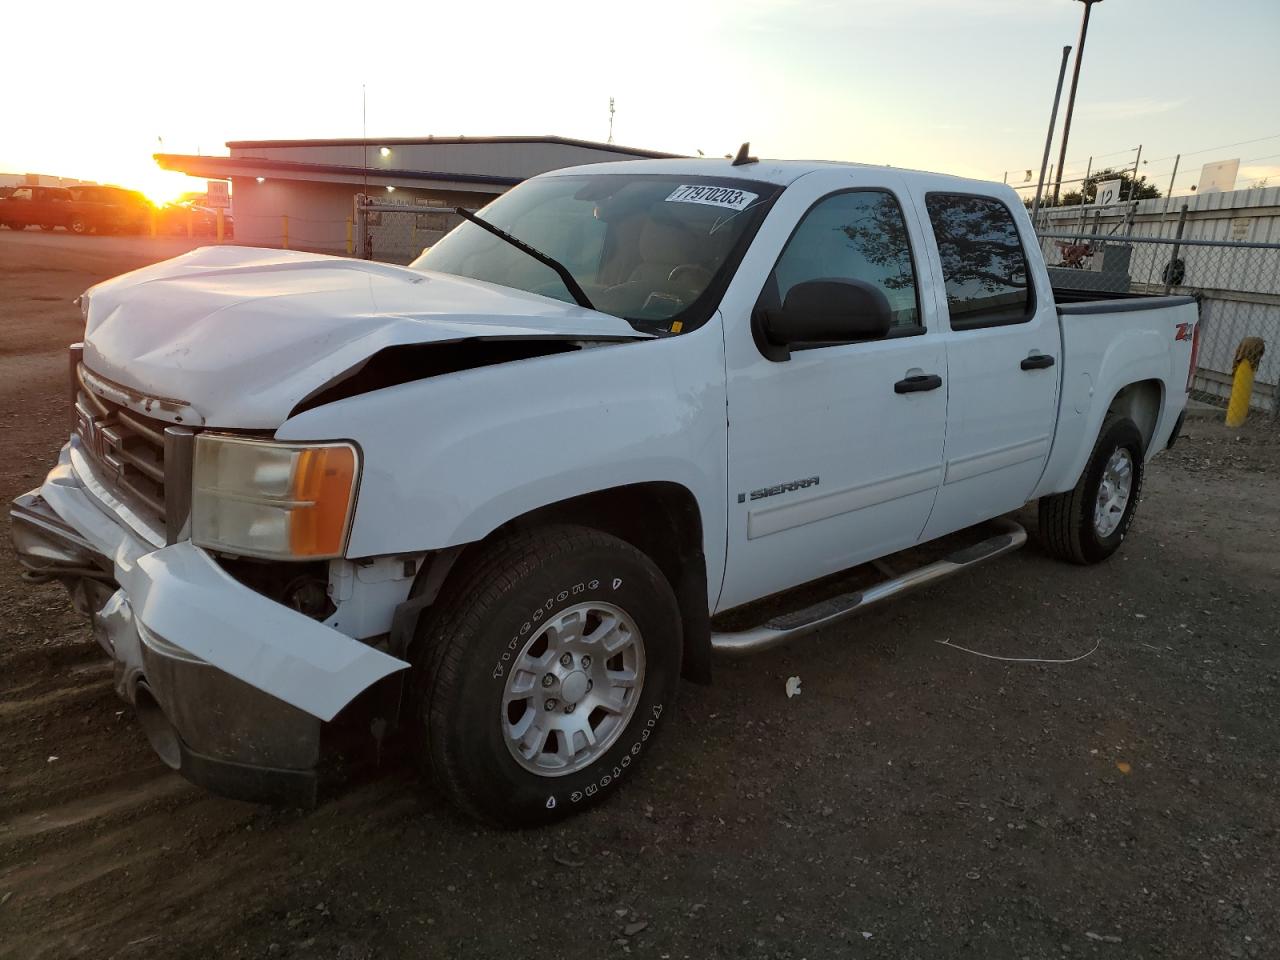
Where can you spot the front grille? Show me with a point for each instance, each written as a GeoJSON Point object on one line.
{"type": "Point", "coordinates": [143, 461]}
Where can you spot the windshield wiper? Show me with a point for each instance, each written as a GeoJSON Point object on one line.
{"type": "Point", "coordinates": [561, 270]}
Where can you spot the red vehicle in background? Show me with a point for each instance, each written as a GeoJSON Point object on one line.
{"type": "Point", "coordinates": [128, 211]}
{"type": "Point", "coordinates": [48, 208]}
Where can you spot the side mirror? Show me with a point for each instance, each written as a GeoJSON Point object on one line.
{"type": "Point", "coordinates": [825, 311]}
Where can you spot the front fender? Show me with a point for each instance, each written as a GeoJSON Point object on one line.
{"type": "Point", "coordinates": [447, 460]}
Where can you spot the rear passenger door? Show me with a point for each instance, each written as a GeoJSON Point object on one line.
{"type": "Point", "coordinates": [1002, 358]}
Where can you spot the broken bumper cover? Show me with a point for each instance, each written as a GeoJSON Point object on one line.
{"type": "Point", "coordinates": [231, 687]}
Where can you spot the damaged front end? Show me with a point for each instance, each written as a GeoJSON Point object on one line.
{"type": "Point", "coordinates": [234, 675]}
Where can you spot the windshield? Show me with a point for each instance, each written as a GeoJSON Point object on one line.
{"type": "Point", "coordinates": [656, 250]}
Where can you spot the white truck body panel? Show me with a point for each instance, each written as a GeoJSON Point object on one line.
{"type": "Point", "coordinates": [241, 335]}
{"type": "Point", "coordinates": [451, 458]}
{"type": "Point", "coordinates": [1108, 351]}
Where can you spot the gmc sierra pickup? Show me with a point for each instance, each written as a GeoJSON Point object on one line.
{"type": "Point", "coordinates": [504, 498]}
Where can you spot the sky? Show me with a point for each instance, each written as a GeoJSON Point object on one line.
{"type": "Point", "coordinates": [958, 87]}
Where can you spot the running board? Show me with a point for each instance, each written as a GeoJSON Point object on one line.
{"type": "Point", "coordinates": [797, 623]}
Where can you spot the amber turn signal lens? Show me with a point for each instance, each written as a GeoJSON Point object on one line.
{"type": "Point", "coordinates": [322, 486]}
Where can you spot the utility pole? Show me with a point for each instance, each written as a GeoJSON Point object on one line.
{"type": "Point", "coordinates": [1048, 140]}
{"type": "Point", "coordinates": [610, 140]}
{"type": "Point", "coordinates": [1071, 97]}
{"type": "Point", "coordinates": [1169, 195]}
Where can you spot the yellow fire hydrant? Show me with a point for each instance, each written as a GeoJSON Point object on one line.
{"type": "Point", "coordinates": [1248, 359]}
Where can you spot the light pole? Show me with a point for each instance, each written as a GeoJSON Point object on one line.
{"type": "Point", "coordinates": [1071, 96]}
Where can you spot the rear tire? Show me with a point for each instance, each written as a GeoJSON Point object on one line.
{"type": "Point", "coordinates": [1088, 524]}
{"type": "Point", "coordinates": [77, 225]}
{"type": "Point", "coordinates": [543, 674]}
{"type": "Point", "coordinates": [16, 226]}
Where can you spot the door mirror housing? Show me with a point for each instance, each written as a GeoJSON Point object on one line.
{"type": "Point", "coordinates": [824, 311]}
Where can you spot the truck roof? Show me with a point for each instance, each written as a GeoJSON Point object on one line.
{"type": "Point", "coordinates": [781, 172]}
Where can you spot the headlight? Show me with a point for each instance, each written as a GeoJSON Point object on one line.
{"type": "Point", "coordinates": [283, 501]}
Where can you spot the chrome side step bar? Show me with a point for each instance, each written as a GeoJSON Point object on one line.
{"type": "Point", "coordinates": [788, 626]}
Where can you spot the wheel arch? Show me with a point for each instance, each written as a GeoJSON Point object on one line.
{"type": "Point", "coordinates": [661, 519]}
{"type": "Point", "coordinates": [1141, 402]}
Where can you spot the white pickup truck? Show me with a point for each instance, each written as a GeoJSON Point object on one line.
{"type": "Point", "coordinates": [501, 500]}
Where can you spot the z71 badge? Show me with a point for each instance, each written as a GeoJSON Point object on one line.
{"type": "Point", "coordinates": [782, 488]}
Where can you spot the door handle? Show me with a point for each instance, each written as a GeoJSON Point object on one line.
{"type": "Point", "coordinates": [918, 383]}
{"type": "Point", "coordinates": [1037, 361]}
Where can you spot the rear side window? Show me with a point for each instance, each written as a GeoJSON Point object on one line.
{"type": "Point", "coordinates": [983, 263]}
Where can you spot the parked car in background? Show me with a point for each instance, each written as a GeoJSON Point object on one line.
{"type": "Point", "coordinates": [51, 207]}
{"type": "Point", "coordinates": [193, 215]}
{"type": "Point", "coordinates": [123, 211]}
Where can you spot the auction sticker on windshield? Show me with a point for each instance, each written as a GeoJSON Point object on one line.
{"type": "Point", "coordinates": [728, 197]}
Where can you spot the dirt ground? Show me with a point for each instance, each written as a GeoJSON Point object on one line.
{"type": "Point", "coordinates": [914, 801]}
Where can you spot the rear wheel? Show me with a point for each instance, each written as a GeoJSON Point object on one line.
{"type": "Point", "coordinates": [16, 226]}
{"type": "Point", "coordinates": [542, 676]}
{"type": "Point", "coordinates": [1088, 524]}
{"type": "Point", "coordinates": [78, 225]}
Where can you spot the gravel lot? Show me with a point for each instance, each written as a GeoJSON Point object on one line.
{"type": "Point", "coordinates": [914, 800]}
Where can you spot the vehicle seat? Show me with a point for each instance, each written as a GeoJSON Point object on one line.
{"type": "Point", "coordinates": [662, 248]}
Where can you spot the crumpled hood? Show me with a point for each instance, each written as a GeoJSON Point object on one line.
{"type": "Point", "coordinates": [240, 335]}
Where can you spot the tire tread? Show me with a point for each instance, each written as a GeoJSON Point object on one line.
{"type": "Point", "coordinates": [440, 660]}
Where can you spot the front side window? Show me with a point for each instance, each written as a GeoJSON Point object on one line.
{"type": "Point", "coordinates": [656, 250]}
{"type": "Point", "coordinates": [857, 235]}
{"type": "Point", "coordinates": [983, 263]}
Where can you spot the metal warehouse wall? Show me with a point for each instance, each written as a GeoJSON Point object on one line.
{"type": "Point", "coordinates": [1239, 289]}
{"type": "Point", "coordinates": [318, 213]}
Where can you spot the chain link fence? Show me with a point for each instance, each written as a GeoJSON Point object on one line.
{"type": "Point", "coordinates": [398, 231]}
{"type": "Point", "coordinates": [1237, 285]}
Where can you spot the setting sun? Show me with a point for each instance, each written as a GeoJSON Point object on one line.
{"type": "Point", "coordinates": [163, 186]}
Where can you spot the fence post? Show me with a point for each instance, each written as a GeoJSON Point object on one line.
{"type": "Point", "coordinates": [190, 226]}
{"type": "Point", "coordinates": [222, 225]}
{"type": "Point", "coordinates": [1168, 276]}
{"type": "Point", "coordinates": [284, 230]}
{"type": "Point", "coordinates": [350, 244]}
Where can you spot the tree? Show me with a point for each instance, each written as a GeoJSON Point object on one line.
{"type": "Point", "coordinates": [1145, 191]}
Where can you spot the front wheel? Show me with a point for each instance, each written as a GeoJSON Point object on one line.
{"type": "Point", "coordinates": [543, 675]}
{"type": "Point", "coordinates": [78, 225]}
{"type": "Point", "coordinates": [1088, 524]}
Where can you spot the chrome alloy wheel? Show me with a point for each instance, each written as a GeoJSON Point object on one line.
{"type": "Point", "coordinates": [1113, 492]}
{"type": "Point", "coordinates": [573, 689]}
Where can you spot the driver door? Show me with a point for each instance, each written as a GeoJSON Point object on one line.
{"type": "Point", "coordinates": [835, 454]}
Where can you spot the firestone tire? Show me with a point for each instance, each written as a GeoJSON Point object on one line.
{"type": "Point", "coordinates": [500, 653]}
{"type": "Point", "coordinates": [1079, 526]}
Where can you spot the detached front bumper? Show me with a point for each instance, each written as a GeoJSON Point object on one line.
{"type": "Point", "coordinates": [231, 688]}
